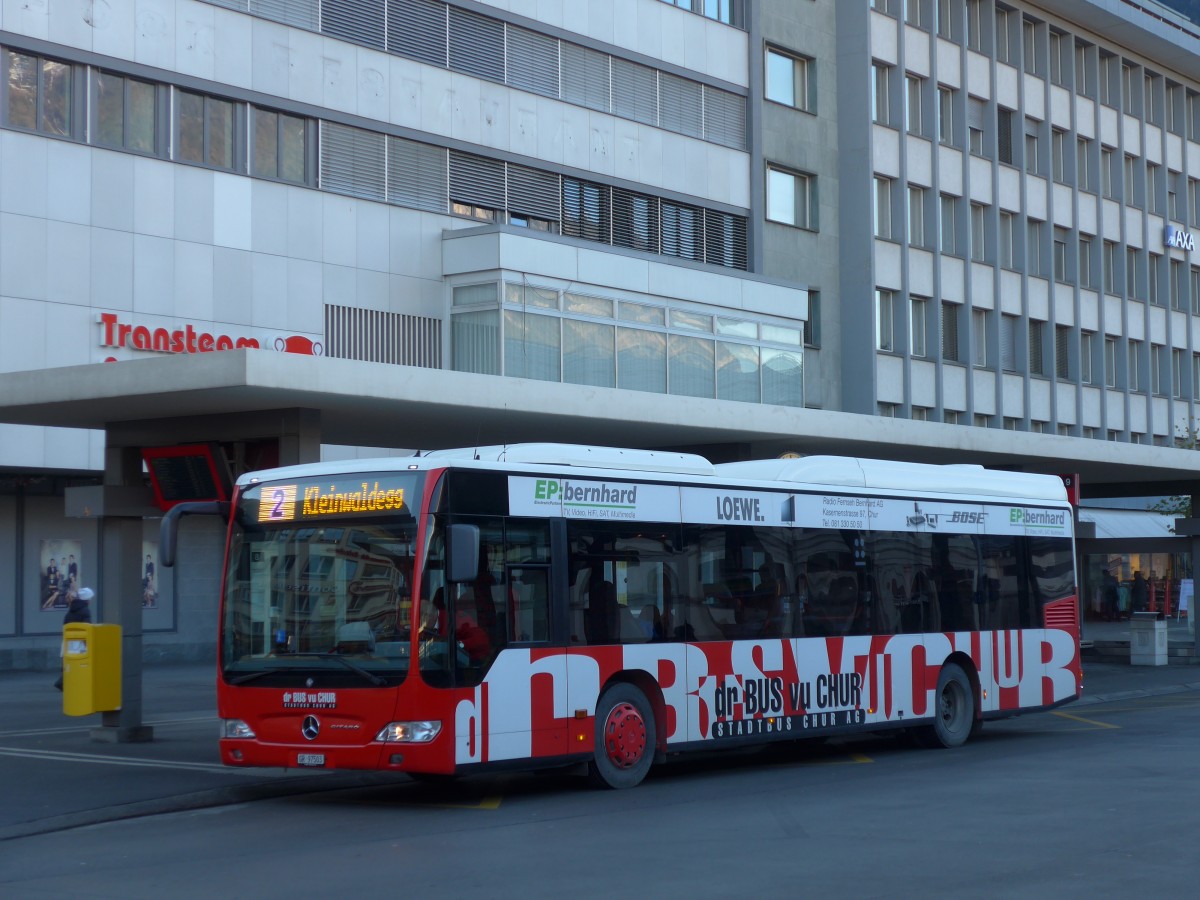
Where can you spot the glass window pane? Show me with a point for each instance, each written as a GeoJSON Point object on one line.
{"type": "Point", "coordinates": [780, 334]}
{"type": "Point", "coordinates": [737, 372]}
{"type": "Point", "coordinates": [531, 346]}
{"type": "Point", "coordinates": [220, 133]}
{"type": "Point", "coordinates": [691, 321]}
{"type": "Point", "coordinates": [588, 306]}
{"type": "Point", "coordinates": [692, 366]}
{"type": "Point", "coordinates": [22, 90]}
{"type": "Point", "coordinates": [780, 83]}
{"type": "Point", "coordinates": [475, 342]}
{"type": "Point", "coordinates": [191, 127]}
{"type": "Point", "coordinates": [110, 109]}
{"type": "Point", "coordinates": [737, 328]}
{"type": "Point", "coordinates": [474, 293]}
{"type": "Point", "coordinates": [56, 105]}
{"type": "Point", "coordinates": [639, 312]}
{"type": "Point", "coordinates": [142, 115]}
{"type": "Point", "coordinates": [782, 378]}
{"type": "Point", "coordinates": [266, 143]}
{"type": "Point", "coordinates": [641, 360]}
{"type": "Point", "coordinates": [781, 197]}
{"type": "Point", "coordinates": [589, 355]}
{"type": "Point", "coordinates": [291, 159]}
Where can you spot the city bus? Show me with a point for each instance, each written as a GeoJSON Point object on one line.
{"type": "Point", "coordinates": [545, 605]}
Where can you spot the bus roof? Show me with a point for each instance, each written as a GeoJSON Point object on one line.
{"type": "Point", "coordinates": [811, 472]}
{"type": "Point", "coordinates": [889, 475]}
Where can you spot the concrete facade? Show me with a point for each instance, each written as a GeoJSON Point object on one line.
{"type": "Point", "coordinates": [612, 207]}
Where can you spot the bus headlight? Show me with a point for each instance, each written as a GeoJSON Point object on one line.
{"type": "Point", "coordinates": [236, 728]}
{"type": "Point", "coordinates": [409, 732]}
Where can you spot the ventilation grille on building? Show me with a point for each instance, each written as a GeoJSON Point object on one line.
{"type": "Point", "coordinates": [300, 13]}
{"type": "Point", "coordinates": [370, 335]}
{"type": "Point", "coordinates": [417, 28]}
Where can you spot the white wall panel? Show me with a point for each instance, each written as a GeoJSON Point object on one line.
{"type": "Point", "coordinates": [68, 257]}
{"type": "Point", "coordinates": [23, 174]}
{"type": "Point", "coordinates": [23, 251]}
{"type": "Point", "coordinates": [69, 188]}
{"type": "Point", "coordinates": [194, 280]}
{"type": "Point", "coordinates": [153, 276]}
{"type": "Point", "coordinates": [195, 40]}
{"type": "Point", "coordinates": [154, 38]}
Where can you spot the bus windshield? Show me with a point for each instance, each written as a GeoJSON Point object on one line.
{"type": "Point", "coordinates": [320, 577]}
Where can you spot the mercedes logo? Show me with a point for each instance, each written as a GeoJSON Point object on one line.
{"type": "Point", "coordinates": [310, 728]}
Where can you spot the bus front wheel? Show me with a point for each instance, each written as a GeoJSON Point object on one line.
{"type": "Point", "coordinates": [953, 710]}
{"type": "Point", "coordinates": [625, 738]}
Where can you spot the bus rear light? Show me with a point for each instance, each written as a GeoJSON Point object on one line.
{"type": "Point", "coordinates": [409, 732]}
{"type": "Point", "coordinates": [236, 728]}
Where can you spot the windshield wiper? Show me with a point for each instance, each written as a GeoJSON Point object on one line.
{"type": "Point", "coordinates": [353, 667]}
{"type": "Point", "coordinates": [250, 676]}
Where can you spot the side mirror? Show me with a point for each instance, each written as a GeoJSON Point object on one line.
{"type": "Point", "coordinates": [168, 531]}
{"type": "Point", "coordinates": [462, 553]}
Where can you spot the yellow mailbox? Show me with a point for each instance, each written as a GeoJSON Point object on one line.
{"type": "Point", "coordinates": [91, 668]}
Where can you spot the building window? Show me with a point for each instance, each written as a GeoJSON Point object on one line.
{"type": "Point", "coordinates": [948, 327]}
{"type": "Point", "coordinates": [914, 14]}
{"type": "Point", "coordinates": [1004, 135]}
{"type": "Point", "coordinates": [1003, 37]}
{"type": "Point", "coordinates": [978, 231]}
{"type": "Point", "coordinates": [913, 119]}
{"type": "Point", "coordinates": [207, 131]}
{"type": "Point", "coordinates": [1154, 271]}
{"type": "Point", "coordinates": [1058, 155]}
{"type": "Point", "coordinates": [975, 29]}
{"type": "Point", "coordinates": [1156, 368]}
{"type": "Point", "coordinates": [1062, 359]}
{"type": "Point", "coordinates": [1083, 167]}
{"type": "Point", "coordinates": [1193, 189]}
{"type": "Point", "coordinates": [1110, 362]}
{"type": "Point", "coordinates": [791, 198]}
{"type": "Point", "coordinates": [1177, 290]}
{"type": "Point", "coordinates": [279, 142]}
{"type": "Point", "coordinates": [1086, 279]}
{"type": "Point", "coordinates": [1153, 196]}
{"type": "Point", "coordinates": [39, 94]}
{"type": "Point", "coordinates": [788, 80]}
{"type": "Point", "coordinates": [1086, 349]}
{"type": "Point", "coordinates": [946, 115]}
{"type": "Point", "coordinates": [1060, 255]}
{"type": "Point", "coordinates": [1008, 342]}
{"type": "Point", "coordinates": [979, 354]}
{"type": "Point", "coordinates": [883, 206]}
{"type": "Point", "coordinates": [1060, 60]}
{"type": "Point", "coordinates": [1194, 291]}
{"type": "Point", "coordinates": [1131, 184]}
{"type": "Point", "coordinates": [881, 95]}
{"type": "Point", "coordinates": [885, 334]}
{"type": "Point", "coordinates": [1109, 176]}
{"type": "Point", "coordinates": [916, 216]}
{"type": "Point", "coordinates": [945, 21]}
{"type": "Point", "coordinates": [124, 112]}
{"type": "Point", "coordinates": [1178, 374]}
{"type": "Point", "coordinates": [1131, 272]}
{"type": "Point", "coordinates": [1110, 267]}
{"type": "Point", "coordinates": [1029, 35]}
{"type": "Point", "coordinates": [1134, 363]}
{"type": "Point", "coordinates": [812, 325]}
{"type": "Point", "coordinates": [1037, 337]}
{"type": "Point", "coordinates": [948, 233]}
{"type": "Point", "coordinates": [1084, 82]}
{"type": "Point", "coordinates": [1008, 239]}
{"type": "Point", "coordinates": [918, 328]}
{"type": "Point", "coordinates": [1034, 257]}
{"type": "Point", "coordinates": [1032, 156]}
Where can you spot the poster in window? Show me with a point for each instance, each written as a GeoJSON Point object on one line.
{"type": "Point", "coordinates": [59, 570]}
{"type": "Point", "coordinates": [149, 575]}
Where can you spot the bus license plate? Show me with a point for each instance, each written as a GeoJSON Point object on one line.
{"type": "Point", "coordinates": [311, 759]}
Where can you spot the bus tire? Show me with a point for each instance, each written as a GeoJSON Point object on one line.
{"type": "Point", "coordinates": [953, 710]}
{"type": "Point", "coordinates": [625, 738]}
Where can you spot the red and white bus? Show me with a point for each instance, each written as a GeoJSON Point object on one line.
{"type": "Point", "coordinates": [544, 604]}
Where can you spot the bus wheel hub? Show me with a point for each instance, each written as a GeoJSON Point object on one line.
{"type": "Point", "coordinates": [624, 735]}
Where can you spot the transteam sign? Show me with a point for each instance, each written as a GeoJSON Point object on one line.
{"type": "Point", "coordinates": [188, 339]}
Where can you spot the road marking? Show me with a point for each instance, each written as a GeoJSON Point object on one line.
{"type": "Point", "coordinates": [485, 803]}
{"type": "Point", "coordinates": [69, 729]}
{"type": "Point", "coordinates": [60, 756]}
{"type": "Point", "coordinates": [1073, 718]}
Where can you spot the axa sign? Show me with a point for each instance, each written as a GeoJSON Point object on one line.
{"type": "Point", "coordinates": [1183, 240]}
{"type": "Point", "coordinates": [188, 339]}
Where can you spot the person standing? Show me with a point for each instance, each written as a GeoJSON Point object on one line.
{"type": "Point", "coordinates": [1110, 607]}
{"type": "Point", "coordinates": [1139, 593]}
{"type": "Point", "coordinates": [78, 610]}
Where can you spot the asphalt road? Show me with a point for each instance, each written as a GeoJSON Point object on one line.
{"type": "Point", "coordinates": [1091, 801]}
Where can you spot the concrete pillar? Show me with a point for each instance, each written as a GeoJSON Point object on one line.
{"type": "Point", "coordinates": [121, 542]}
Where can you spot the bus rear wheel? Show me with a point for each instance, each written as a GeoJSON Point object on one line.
{"type": "Point", "coordinates": [625, 738]}
{"type": "Point", "coordinates": [953, 711]}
